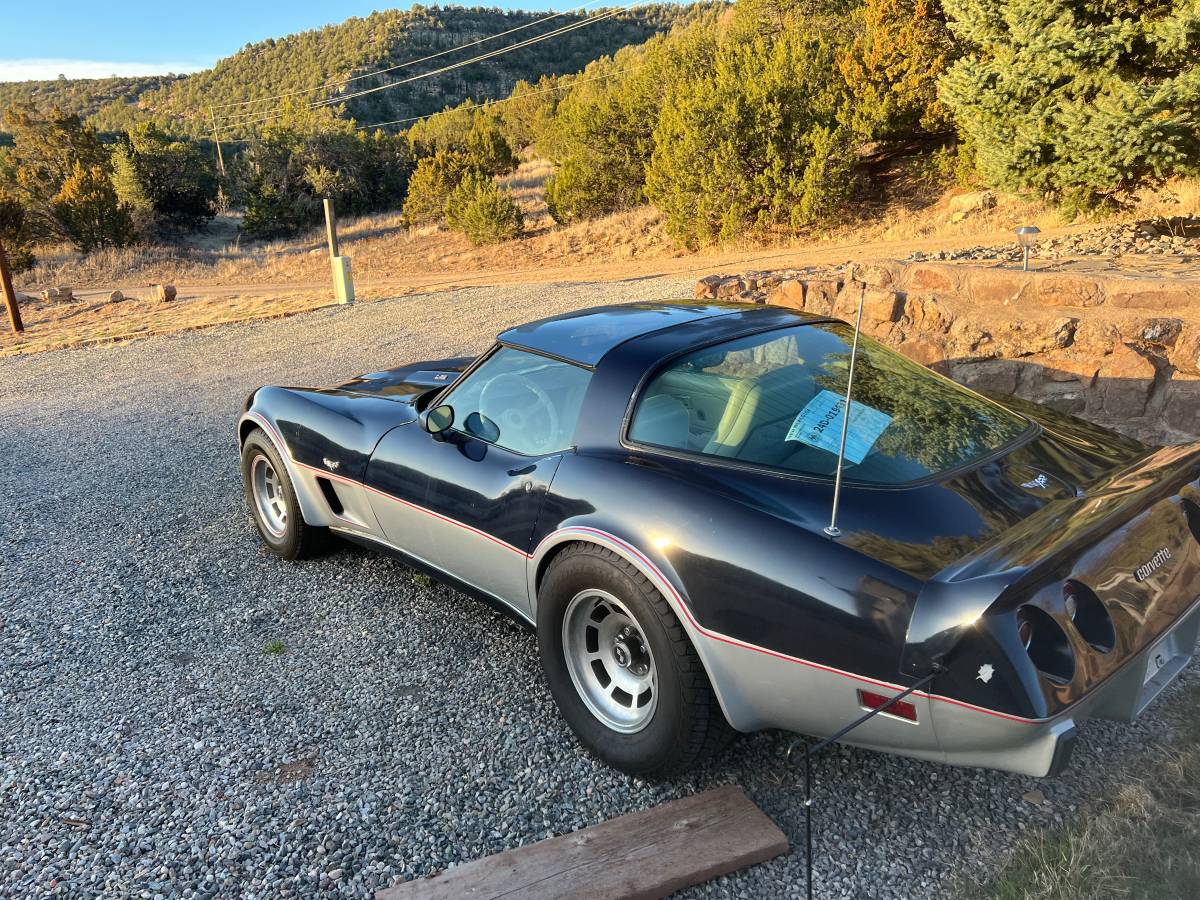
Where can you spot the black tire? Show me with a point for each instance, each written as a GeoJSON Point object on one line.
{"type": "Point", "coordinates": [296, 539]}
{"type": "Point", "coordinates": [686, 725]}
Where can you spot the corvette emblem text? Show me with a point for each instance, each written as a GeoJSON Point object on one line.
{"type": "Point", "coordinates": [1156, 562]}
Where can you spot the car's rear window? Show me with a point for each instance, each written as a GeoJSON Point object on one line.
{"type": "Point", "coordinates": [777, 399]}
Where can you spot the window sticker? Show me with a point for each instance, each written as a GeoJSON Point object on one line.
{"type": "Point", "coordinates": [819, 425]}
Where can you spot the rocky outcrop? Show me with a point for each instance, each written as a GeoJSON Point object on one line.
{"type": "Point", "coordinates": [1121, 350]}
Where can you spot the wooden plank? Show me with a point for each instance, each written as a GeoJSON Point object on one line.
{"type": "Point", "coordinates": [646, 854]}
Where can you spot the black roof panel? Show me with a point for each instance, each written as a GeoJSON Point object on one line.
{"type": "Point", "coordinates": [585, 336]}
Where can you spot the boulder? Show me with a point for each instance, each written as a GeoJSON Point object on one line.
{"type": "Point", "coordinates": [706, 287]}
{"type": "Point", "coordinates": [1095, 337]}
{"type": "Point", "coordinates": [965, 204]}
{"type": "Point", "coordinates": [1185, 354]}
{"type": "Point", "coordinates": [926, 314]}
{"type": "Point", "coordinates": [789, 293]}
{"type": "Point", "coordinates": [923, 351]}
{"type": "Point", "coordinates": [116, 297]}
{"type": "Point", "coordinates": [872, 274]}
{"type": "Point", "coordinates": [999, 375]}
{"type": "Point", "coordinates": [1183, 407]}
{"type": "Point", "coordinates": [819, 296]}
{"type": "Point", "coordinates": [165, 292]}
{"type": "Point", "coordinates": [729, 288]}
{"type": "Point", "coordinates": [998, 286]}
{"type": "Point", "coordinates": [64, 293]}
{"type": "Point", "coordinates": [1068, 290]}
{"type": "Point", "coordinates": [1125, 381]}
{"type": "Point", "coordinates": [1160, 332]}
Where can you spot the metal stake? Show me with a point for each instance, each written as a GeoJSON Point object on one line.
{"type": "Point", "coordinates": [811, 750]}
{"type": "Point", "coordinates": [832, 528]}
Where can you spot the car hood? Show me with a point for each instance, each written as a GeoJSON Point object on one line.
{"type": "Point", "coordinates": [406, 383]}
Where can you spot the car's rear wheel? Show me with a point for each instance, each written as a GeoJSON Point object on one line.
{"type": "Point", "coordinates": [621, 667]}
{"type": "Point", "coordinates": [272, 501]}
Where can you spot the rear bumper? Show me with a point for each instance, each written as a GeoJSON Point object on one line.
{"type": "Point", "coordinates": [759, 690]}
{"type": "Point", "coordinates": [970, 737]}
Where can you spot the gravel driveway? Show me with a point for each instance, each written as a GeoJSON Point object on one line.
{"type": "Point", "coordinates": [149, 746]}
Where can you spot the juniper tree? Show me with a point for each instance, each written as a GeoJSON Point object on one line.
{"type": "Point", "coordinates": [1082, 101]}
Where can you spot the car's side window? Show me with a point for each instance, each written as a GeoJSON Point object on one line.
{"type": "Point", "coordinates": [521, 401]}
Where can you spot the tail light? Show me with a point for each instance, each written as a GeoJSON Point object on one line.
{"type": "Point", "coordinates": [901, 710]}
{"type": "Point", "coordinates": [1046, 643]}
{"type": "Point", "coordinates": [1089, 616]}
{"type": "Point", "coordinates": [1191, 509]}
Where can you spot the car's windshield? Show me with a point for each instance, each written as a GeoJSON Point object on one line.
{"type": "Point", "coordinates": [778, 399]}
{"type": "Point", "coordinates": [521, 401]}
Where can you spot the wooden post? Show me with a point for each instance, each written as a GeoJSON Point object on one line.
{"type": "Point", "coordinates": [10, 295]}
{"type": "Point", "coordinates": [331, 228]}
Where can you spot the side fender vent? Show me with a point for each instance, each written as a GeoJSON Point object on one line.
{"type": "Point", "coordinates": [330, 494]}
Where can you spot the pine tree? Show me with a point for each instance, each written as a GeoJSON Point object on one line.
{"type": "Point", "coordinates": [1082, 101]}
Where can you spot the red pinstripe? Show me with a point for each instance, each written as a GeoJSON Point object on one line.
{"type": "Point", "coordinates": [633, 551]}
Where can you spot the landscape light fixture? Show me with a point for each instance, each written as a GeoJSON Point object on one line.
{"type": "Point", "coordinates": [1027, 235]}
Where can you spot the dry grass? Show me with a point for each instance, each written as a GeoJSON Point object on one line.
{"type": "Point", "coordinates": [223, 278]}
{"type": "Point", "coordinates": [1144, 844]}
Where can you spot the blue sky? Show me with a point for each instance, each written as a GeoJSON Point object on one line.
{"type": "Point", "coordinates": [94, 39]}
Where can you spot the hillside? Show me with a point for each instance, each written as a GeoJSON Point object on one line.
{"type": "Point", "coordinates": [84, 96]}
{"type": "Point", "coordinates": [305, 61]}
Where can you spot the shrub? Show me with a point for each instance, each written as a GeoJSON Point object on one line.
{"type": "Point", "coordinates": [59, 173]}
{"type": "Point", "coordinates": [166, 184]}
{"type": "Point", "coordinates": [756, 144]}
{"type": "Point", "coordinates": [308, 155]}
{"type": "Point", "coordinates": [14, 235]}
{"type": "Point", "coordinates": [602, 134]}
{"type": "Point", "coordinates": [432, 181]}
{"type": "Point", "coordinates": [1082, 101]}
{"type": "Point", "coordinates": [482, 211]}
{"type": "Point", "coordinates": [471, 130]}
{"type": "Point", "coordinates": [89, 212]}
{"type": "Point", "coordinates": [891, 68]}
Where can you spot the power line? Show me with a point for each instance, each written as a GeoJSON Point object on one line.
{"type": "Point", "coordinates": [557, 87]}
{"type": "Point", "coordinates": [411, 62]}
{"type": "Point", "coordinates": [591, 20]}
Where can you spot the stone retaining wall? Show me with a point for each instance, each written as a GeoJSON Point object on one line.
{"type": "Point", "coordinates": [1120, 350]}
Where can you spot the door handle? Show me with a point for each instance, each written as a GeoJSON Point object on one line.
{"type": "Point", "coordinates": [527, 470]}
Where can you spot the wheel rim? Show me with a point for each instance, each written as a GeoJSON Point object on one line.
{"type": "Point", "coordinates": [610, 661]}
{"type": "Point", "coordinates": [269, 498]}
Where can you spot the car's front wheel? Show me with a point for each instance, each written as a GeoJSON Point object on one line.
{"type": "Point", "coordinates": [272, 501]}
{"type": "Point", "coordinates": [621, 667]}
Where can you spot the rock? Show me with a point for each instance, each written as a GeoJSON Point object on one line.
{"type": "Point", "coordinates": [165, 292]}
{"type": "Point", "coordinates": [1183, 407]}
{"type": "Point", "coordinates": [1034, 797]}
{"type": "Point", "coordinates": [729, 288]}
{"type": "Point", "coordinates": [999, 375]}
{"type": "Point", "coordinates": [932, 278]}
{"type": "Point", "coordinates": [1185, 356]}
{"type": "Point", "coordinates": [706, 287]}
{"type": "Point", "coordinates": [1068, 290]}
{"type": "Point", "coordinates": [923, 351]}
{"type": "Point", "coordinates": [819, 296]}
{"type": "Point", "coordinates": [24, 298]}
{"type": "Point", "coordinates": [998, 286]}
{"type": "Point", "coordinates": [64, 293]}
{"type": "Point", "coordinates": [1096, 338]}
{"type": "Point", "coordinates": [881, 307]}
{"type": "Point", "coordinates": [870, 274]}
{"type": "Point", "coordinates": [965, 204]}
{"type": "Point", "coordinates": [789, 293]}
{"type": "Point", "coordinates": [1125, 381]}
{"type": "Point", "coordinates": [1159, 332]}
{"type": "Point", "coordinates": [927, 315]}
{"type": "Point", "coordinates": [116, 297]}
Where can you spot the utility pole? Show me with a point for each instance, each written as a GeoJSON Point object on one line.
{"type": "Point", "coordinates": [10, 295]}
{"type": "Point", "coordinates": [217, 140]}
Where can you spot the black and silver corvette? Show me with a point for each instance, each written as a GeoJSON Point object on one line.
{"type": "Point", "coordinates": [648, 487]}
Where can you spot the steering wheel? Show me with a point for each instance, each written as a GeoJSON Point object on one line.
{"type": "Point", "coordinates": [517, 405]}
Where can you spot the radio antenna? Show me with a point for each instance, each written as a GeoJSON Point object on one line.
{"type": "Point", "coordinates": [832, 528]}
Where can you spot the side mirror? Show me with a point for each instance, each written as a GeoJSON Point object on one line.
{"type": "Point", "coordinates": [438, 419]}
